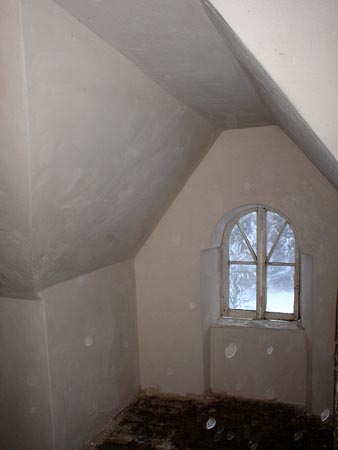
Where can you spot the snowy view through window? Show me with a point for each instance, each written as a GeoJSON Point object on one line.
{"type": "Point", "coordinates": [279, 264]}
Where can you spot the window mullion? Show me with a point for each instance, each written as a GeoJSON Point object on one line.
{"type": "Point", "coordinates": [264, 266]}
{"type": "Point", "coordinates": [276, 242]}
{"type": "Point", "coordinates": [253, 254]}
{"type": "Point", "coordinates": [261, 267]}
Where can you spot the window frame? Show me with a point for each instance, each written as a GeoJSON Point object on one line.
{"type": "Point", "coordinates": [261, 269]}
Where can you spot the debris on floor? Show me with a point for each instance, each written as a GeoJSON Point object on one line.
{"type": "Point", "coordinates": [172, 423]}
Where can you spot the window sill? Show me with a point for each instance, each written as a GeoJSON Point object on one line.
{"type": "Point", "coordinates": [251, 323]}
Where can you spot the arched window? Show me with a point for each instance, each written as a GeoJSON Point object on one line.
{"type": "Point", "coordinates": [260, 273]}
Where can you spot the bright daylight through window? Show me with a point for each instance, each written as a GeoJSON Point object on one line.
{"type": "Point", "coordinates": [260, 276]}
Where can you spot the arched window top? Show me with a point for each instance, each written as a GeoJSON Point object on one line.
{"type": "Point", "coordinates": [260, 275]}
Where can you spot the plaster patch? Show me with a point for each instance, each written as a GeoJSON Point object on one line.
{"type": "Point", "coordinates": [325, 415]}
{"type": "Point", "coordinates": [230, 350]}
{"type": "Point", "coordinates": [89, 341]}
{"type": "Point", "coordinates": [211, 422]}
{"type": "Point", "coordinates": [297, 436]}
{"type": "Point", "coordinates": [230, 436]}
{"type": "Point", "coordinates": [269, 350]}
{"type": "Point", "coordinates": [192, 306]}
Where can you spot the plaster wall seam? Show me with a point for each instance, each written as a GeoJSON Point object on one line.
{"type": "Point", "coordinates": [50, 393]}
{"type": "Point", "coordinates": [16, 248]}
{"type": "Point", "coordinates": [137, 321]}
{"type": "Point", "coordinates": [192, 169]}
{"type": "Point", "coordinates": [28, 149]}
{"type": "Point", "coordinates": [184, 105]}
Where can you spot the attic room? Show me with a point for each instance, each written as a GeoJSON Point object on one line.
{"type": "Point", "coordinates": [168, 224]}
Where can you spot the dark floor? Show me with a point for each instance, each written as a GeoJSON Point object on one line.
{"type": "Point", "coordinates": [179, 423]}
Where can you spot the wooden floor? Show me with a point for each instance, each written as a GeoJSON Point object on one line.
{"type": "Point", "coordinates": [217, 423]}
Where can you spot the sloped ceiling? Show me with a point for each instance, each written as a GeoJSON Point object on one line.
{"type": "Point", "coordinates": [175, 44]}
{"type": "Point", "coordinates": [289, 51]}
{"type": "Point", "coordinates": [120, 110]}
{"type": "Point", "coordinates": [296, 43]}
{"type": "Point", "coordinates": [109, 147]}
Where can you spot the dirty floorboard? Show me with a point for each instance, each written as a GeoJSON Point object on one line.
{"type": "Point", "coordinates": [180, 423]}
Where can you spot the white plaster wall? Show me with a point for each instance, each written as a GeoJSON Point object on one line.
{"type": "Point", "coordinates": [69, 361]}
{"type": "Point", "coordinates": [297, 43]}
{"type": "Point", "coordinates": [93, 352]}
{"type": "Point", "coordinates": [25, 414]}
{"type": "Point", "coordinates": [264, 363]}
{"type": "Point", "coordinates": [15, 217]}
{"type": "Point", "coordinates": [260, 165]}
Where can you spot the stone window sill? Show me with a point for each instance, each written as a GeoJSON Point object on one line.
{"type": "Point", "coordinates": [251, 323]}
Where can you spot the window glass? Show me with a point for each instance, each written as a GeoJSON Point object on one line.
{"type": "Point", "coordinates": [280, 289]}
{"type": "Point", "coordinates": [238, 249]}
{"type": "Point", "coordinates": [260, 257]}
{"type": "Point", "coordinates": [285, 248]}
{"type": "Point", "coordinates": [249, 226]}
{"type": "Point", "coordinates": [242, 286]}
{"type": "Point", "coordinates": [274, 226]}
